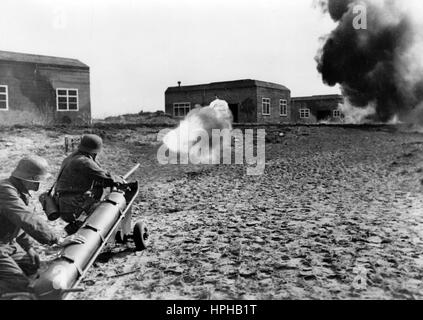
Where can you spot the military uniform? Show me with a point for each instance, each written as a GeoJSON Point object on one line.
{"type": "Point", "coordinates": [17, 225]}
{"type": "Point", "coordinates": [80, 185]}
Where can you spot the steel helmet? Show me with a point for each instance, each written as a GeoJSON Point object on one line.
{"type": "Point", "coordinates": [31, 169]}
{"type": "Point", "coordinates": [91, 143]}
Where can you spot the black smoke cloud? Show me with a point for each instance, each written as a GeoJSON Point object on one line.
{"type": "Point", "coordinates": [337, 8]}
{"type": "Point", "coordinates": [372, 66]}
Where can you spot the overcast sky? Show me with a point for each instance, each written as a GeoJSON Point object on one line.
{"type": "Point", "coordinates": [138, 48]}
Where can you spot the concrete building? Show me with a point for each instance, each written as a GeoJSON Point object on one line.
{"type": "Point", "coordinates": [43, 90]}
{"type": "Point", "coordinates": [250, 101]}
{"type": "Point", "coordinates": [315, 109]}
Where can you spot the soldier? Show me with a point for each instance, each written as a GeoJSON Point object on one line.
{"type": "Point", "coordinates": [18, 259]}
{"type": "Point", "coordinates": [81, 183]}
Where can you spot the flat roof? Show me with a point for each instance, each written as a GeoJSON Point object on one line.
{"type": "Point", "coordinates": [319, 97]}
{"type": "Point", "coordinates": [39, 59]}
{"type": "Point", "coordinates": [246, 83]}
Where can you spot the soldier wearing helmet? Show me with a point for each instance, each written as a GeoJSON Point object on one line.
{"type": "Point", "coordinates": [81, 183]}
{"type": "Point", "coordinates": [18, 225]}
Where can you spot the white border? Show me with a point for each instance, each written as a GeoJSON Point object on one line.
{"type": "Point", "coordinates": [67, 99]}
{"type": "Point", "coordinates": [7, 97]}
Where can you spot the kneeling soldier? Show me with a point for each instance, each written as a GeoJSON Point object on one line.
{"type": "Point", "coordinates": [18, 259]}
{"type": "Point", "coordinates": [81, 183]}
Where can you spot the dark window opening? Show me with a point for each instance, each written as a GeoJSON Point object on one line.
{"type": "Point", "coordinates": [234, 109]}
{"type": "Point", "coordinates": [323, 115]}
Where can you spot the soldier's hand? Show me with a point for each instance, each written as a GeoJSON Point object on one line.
{"type": "Point", "coordinates": [73, 239]}
{"type": "Point", "coordinates": [35, 258]}
{"type": "Point", "coordinates": [120, 180]}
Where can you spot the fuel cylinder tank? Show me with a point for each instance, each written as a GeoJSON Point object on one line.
{"type": "Point", "coordinates": [66, 271]}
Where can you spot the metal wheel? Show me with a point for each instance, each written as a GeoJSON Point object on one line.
{"type": "Point", "coordinates": [141, 236]}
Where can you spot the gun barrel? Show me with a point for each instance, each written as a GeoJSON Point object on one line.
{"type": "Point", "coordinates": [132, 171]}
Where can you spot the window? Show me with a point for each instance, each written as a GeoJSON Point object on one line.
{"type": "Point", "coordinates": [337, 114]}
{"type": "Point", "coordinates": [266, 107]}
{"type": "Point", "coordinates": [4, 98]}
{"type": "Point", "coordinates": [181, 109]}
{"type": "Point", "coordinates": [67, 100]}
{"type": "Point", "coordinates": [304, 113]}
{"type": "Point", "coordinates": [283, 105]}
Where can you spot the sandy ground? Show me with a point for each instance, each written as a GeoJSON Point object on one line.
{"type": "Point", "coordinates": [338, 214]}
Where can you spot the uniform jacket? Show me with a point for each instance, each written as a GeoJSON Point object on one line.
{"type": "Point", "coordinates": [17, 223]}
{"type": "Point", "coordinates": [80, 172]}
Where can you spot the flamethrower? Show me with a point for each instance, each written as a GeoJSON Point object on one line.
{"type": "Point", "coordinates": [110, 222]}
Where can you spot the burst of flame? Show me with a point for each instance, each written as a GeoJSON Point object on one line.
{"type": "Point", "coordinates": [198, 124]}
{"type": "Point", "coordinates": [354, 115]}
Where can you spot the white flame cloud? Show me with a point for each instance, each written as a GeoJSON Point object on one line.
{"type": "Point", "coordinates": [199, 123]}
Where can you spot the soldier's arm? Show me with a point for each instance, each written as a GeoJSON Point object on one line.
{"type": "Point", "coordinates": [17, 212]}
{"type": "Point", "coordinates": [24, 241]}
{"type": "Point", "coordinates": [100, 175]}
